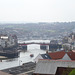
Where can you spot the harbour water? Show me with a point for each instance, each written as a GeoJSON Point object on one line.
{"type": "Point", "coordinates": [24, 57]}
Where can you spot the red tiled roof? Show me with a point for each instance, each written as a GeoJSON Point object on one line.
{"type": "Point", "coordinates": [71, 55]}
{"type": "Point", "coordinates": [58, 60]}
{"type": "Point", "coordinates": [57, 55]}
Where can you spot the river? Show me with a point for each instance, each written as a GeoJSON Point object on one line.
{"type": "Point", "coordinates": [24, 57]}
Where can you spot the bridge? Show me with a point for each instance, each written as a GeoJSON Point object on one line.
{"type": "Point", "coordinates": [34, 43]}
{"type": "Point", "coordinates": [43, 46]}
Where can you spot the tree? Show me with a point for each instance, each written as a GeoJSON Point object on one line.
{"type": "Point", "coordinates": [72, 72]}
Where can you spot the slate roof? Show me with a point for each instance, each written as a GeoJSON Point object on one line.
{"type": "Point", "coordinates": [50, 66]}
{"type": "Point", "coordinates": [57, 55]}
{"type": "Point", "coordinates": [25, 68]}
{"type": "Point", "coordinates": [45, 56]}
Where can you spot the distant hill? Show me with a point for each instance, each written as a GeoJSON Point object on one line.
{"type": "Point", "coordinates": [36, 30]}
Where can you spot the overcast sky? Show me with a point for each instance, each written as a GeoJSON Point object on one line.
{"type": "Point", "coordinates": [37, 10]}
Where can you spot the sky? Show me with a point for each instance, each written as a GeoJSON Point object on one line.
{"type": "Point", "coordinates": [37, 10]}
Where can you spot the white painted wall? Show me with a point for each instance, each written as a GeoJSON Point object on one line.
{"type": "Point", "coordinates": [37, 58]}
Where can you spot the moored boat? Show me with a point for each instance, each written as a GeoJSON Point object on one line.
{"type": "Point", "coordinates": [31, 55]}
